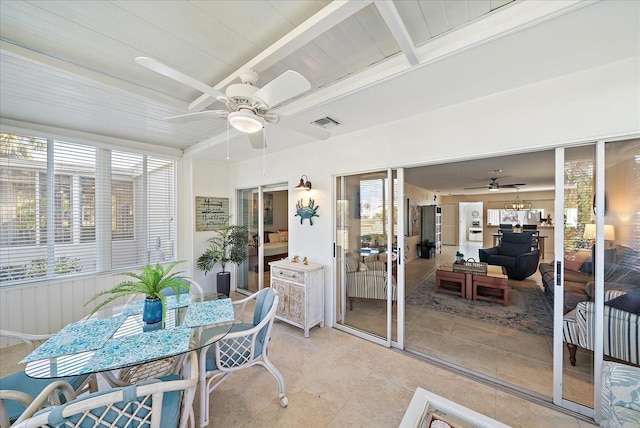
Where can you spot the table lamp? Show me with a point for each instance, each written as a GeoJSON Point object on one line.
{"type": "Point", "coordinates": [590, 232]}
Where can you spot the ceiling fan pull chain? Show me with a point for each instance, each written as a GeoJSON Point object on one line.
{"type": "Point", "coordinates": [264, 151]}
{"type": "Point", "coordinates": [228, 157]}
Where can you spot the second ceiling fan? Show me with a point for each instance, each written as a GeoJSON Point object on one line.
{"type": "Point", "coordinates": [248, 107]}
{"type": "Point", "coordinates": [494, 186]}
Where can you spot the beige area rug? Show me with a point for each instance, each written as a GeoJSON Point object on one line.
{"type": "Point", "coordinates": [528, 308]}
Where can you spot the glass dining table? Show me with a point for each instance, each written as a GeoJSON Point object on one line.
{"type": "Point", "coordinates": [116, 337]}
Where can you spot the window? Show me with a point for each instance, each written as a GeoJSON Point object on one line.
{"type": "Point", "coordinates": [69, 208]}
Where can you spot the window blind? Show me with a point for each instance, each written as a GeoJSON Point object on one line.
{"type": "Point", "coordinates": [68, 208]}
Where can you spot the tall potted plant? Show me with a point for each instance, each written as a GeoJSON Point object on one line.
{"type": "Point", "coordinates": [228, 246]}
{"type": "Point", "coordinates": [150, 281]}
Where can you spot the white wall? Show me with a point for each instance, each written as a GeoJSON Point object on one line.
{"type": "Point", "coordinates": [200, 177]}
{"type": "Point", "coordinates": [580, 107]}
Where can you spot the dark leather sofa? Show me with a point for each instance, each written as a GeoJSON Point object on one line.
{"type": "Point", "coordinates": [514, 254]}
{"type": "Point", "coordinates": [621, 272]}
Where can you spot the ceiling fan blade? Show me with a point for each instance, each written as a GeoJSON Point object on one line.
{"type": "Point", "coordinates": [288, 85]}
{"type": "Point", "coordinates": [179, 76]}
{"type": "Point", "coordinates": [481, 187]}
{"type": "Point", "coordinates": [512, 185]}
{"type": "Point", "coordinates": [304, 128]}
{"type": "Point", "coordinates": [257, 139]}
{"type": "Point", "coordinates": [190, 117]}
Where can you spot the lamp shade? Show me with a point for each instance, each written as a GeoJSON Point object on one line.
{"type": "Point", "coordinates": [590, 232]}
{"type": "Point", "coordinates": [609, 232]}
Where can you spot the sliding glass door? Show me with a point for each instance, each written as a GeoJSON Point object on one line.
{"type": "Point", "coordinates": [367, 251]}
{"type": "Point", "coordinates": [249, 215]}
{"type": "Point", "coordinates": [263, 210]}
{"type": "Point", "coordinates": [600, 244]}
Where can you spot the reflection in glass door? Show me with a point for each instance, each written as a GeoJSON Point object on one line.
{"type": "Point", "coordinates": [601, 248]}
{"type": "Point", "coordinates": [263, 210]}
{"type": "Point", "coordinates": [249, 216]}
{"type": "Point", "coordinates": [577, 239]}
{"type": "Point", "coordinates": [366, 255]}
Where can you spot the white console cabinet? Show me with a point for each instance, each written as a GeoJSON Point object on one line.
{"type": "Point", "coordinates": [301, 291]}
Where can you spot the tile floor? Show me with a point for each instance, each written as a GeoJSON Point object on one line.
{"type": "Point", "coordinates": [517, 358]}
{"type": "Point", "coordinates": [336, 379]}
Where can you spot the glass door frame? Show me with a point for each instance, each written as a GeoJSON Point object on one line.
{"type": "Point", "coordinates": [339, 268]}
{"type": "Point", "coordinates": [558, 342]}
{"type": "Point", "coordinates": [260, 190]}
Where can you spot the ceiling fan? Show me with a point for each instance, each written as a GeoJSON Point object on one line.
{"type": "Point", "coordinates": [248, 107]}
{"type": "Point", "coordinates": [494, 186]}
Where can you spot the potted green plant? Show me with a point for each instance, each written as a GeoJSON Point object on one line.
{"type": "Point", "coordinates": [425, 248]}
{"type": "Point", "coordinates": [150, 281]}
{"type": "Point", "coordinates": [459, 257]}
{"type": "Point", "coordinates": [228, 246]}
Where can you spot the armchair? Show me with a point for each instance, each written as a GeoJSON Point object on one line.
{"type": "Point", "coordinates": [620, 331]}
{"type": "Point", "coordinates": [514, 253]}
{"type": "Point", "coordinates": [367, 280]}
{"type": "Point", "coordinates": [165, 402]}
{"type": "Point", "coordinates": [243, 347]}
{"type": "Point", "coordinates": [620, 391]}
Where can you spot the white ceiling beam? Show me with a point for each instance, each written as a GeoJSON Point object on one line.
{"type": "Point", "coordinates": [395, 24]}
{"type": "Point", "coordinates": [516, 17]}
{"type": "Point", "coordinates": [86, 74]}
{"type": "Point", "coordinates": [327, 18]}
{"type": "Point", "coordinates": [513, 18]}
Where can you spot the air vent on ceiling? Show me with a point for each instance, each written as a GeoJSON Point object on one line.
{"type": "Point", "coordinates": [326, 122]}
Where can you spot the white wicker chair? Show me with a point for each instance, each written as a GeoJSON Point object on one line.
{"type": "Point", "coordinates": [245, 346]}
{"type": "Point", "coordinates": [18, 391]}
{"type": "Point", "coordinates": [155, 403]}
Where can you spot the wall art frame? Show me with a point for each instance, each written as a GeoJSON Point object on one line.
{"type": "Point", "coordinates": [211, 213]}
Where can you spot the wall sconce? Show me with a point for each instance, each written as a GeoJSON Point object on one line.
{"type": "Point", "coordinates": [304, 183]}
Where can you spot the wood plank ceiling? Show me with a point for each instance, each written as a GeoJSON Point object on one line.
{"type": "Point", "coordinates": [67, 67]}
{"type": "Point", "coordinates": [70, 64]}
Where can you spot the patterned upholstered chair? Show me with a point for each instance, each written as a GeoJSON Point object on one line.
{"type": "Point", "coordinates": [621, 330]}
{"type": "Point", "coordinates": [620, 401]}
{"type": "Point", "coordinates": [367, 280]}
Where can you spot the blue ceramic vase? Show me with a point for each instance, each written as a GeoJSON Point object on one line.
{"type": "Point", "coordinates": [152, 311]}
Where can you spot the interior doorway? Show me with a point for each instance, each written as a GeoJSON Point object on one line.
{"type": "Point", "coordinates": [470, 222]}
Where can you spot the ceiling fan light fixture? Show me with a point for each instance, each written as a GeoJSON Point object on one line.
{"type": "Point", "coordinates": [245, 121]}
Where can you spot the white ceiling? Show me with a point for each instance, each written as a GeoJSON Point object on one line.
{"type": "Point", "coordinates": [70, 65]}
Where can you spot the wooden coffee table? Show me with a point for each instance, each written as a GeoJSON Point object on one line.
{"type": "Point", "coordinates": [492, 287]}
{"type": "Point", "coordinates": [456, 283]}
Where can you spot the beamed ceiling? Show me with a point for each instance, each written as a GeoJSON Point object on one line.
{"type": "Point", "coordinates": [68, 68]}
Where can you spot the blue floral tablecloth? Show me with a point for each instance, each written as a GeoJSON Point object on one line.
{"type": "Point", "coordinates": [211, 312]}
{"type": "Point", "coordinates": [129, 350]}
{"type": "Point", "coordinates": [81, 336]}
